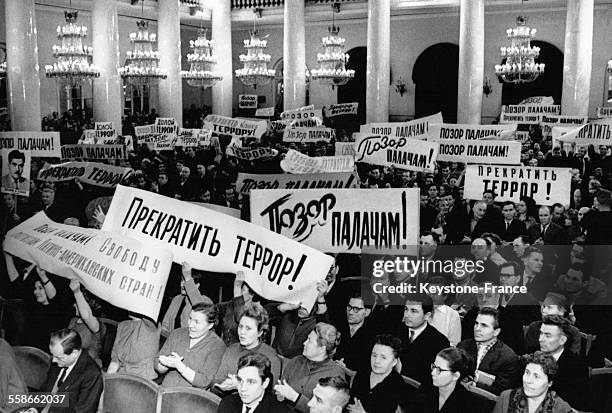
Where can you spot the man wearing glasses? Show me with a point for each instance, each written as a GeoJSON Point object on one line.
{"type": "Point", "coordinates": [357, 335]}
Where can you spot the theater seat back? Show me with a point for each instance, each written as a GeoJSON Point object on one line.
{"type": "Point", "coordinates": [127, 393]}
{"type": "Point", "coordinates": [188, 400]}
{"type": "Point", "coordinates": [34, 365]}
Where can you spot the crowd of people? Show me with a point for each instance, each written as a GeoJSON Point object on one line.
{"type": "Point", "coordinates": [357, 351]}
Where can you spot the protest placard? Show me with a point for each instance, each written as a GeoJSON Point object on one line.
{"type": "Point", "coordinates": [235, 128]}
{"type": "Point", "coordinates": [92, 173]}
{"type": "Point", "coordinates": [345, 148]}
{"type": "Point", "coordinates": [589, 134]}
{"type": "Point", "coordinates": [15, 172]}
{"type": "Point", "coordinates": [247, 101]}
{"type": "Point", "coordinates": [545, 185]}
{"type": "Point", "coordinates": [483, 151]}
{"type": "Point", "coordinates": [125, 272]}
{"type": "Point", "coordinates": [305, 135]}
{"type": "Point", "coordinates": [604, 112]}
{"type": "Point", "coordinates": [39, 144]}
{"type": "Point", "coordinates": [312, 122]}
{"type": "Point", "coordinates": [191, 137]}
{"type": "Point", "coordinates": [450, 131]}
{"type": "Point", "coordinates": [105, 130]}
{"type": "Point", "coordinates": [403, 153]}
{"type": "Point", "coordinates": [165, 126]}
{"type": "Point", "coordinates": [301, 114]}
{"type": "Point", "coordinates": [251, 154]}
{"type": "Point", "coordinates": [264, 112]}
{"type": "Point", "coordinates": [298, 163]}
{"type": "Point", "coordinates": [330, 220]}
{"type": "Point", "coordinates": [527, 114]}
{"type": "Point", "coordinates": [341, 109]}
{"type": "Point", "coordinates": [247, 182]}
{"type": "Point", "coordinates": [278, 126]}
{"type": "Point", "coordinates": [109, 152]}
{"type": "Point", "coordinates": [538, 101]}
{"type": "Point", "coordinates": [415, 129]}
{"type": "Point", "coordinates": [275, 267]}
{"type": "Point", "coordinates": [561, 120]}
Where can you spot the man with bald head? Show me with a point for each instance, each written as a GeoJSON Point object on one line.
{"type": "Point", "coordinates": [547, 232]}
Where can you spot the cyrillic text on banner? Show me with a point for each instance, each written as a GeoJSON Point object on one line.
{"type": "Point", "coordinates": [92, 173]}
{"type": "Point", "coordinates": [298, 163]}
{"type": "Point", "coordinates": [40, 144]}
{"type": "Point", "coordinates": [248, 182]}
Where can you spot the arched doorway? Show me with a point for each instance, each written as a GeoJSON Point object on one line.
{"type": "Point", "coordinates": [550, 83]}
{"type": "Point", "coordinates": [355, 89]}
{"type": "Point", "coordinates": [435, 75]}
{"type": "Point", "coordinates": [278, 88]}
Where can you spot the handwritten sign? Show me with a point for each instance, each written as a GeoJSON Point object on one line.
{"type": "Point", "coordinates": [248, 182]}
{"type": "Point", "coordinates": [110, 152]}
{"type": "Point", "coordinates": [235, 128]}
{"type": "Point", "coordinates": [308, 134]}
{"type": "Point", "coordinates": [298, 163]}
{"type": "Point", "coordinates": [91, 173]}
{"type": "Point", "coordinates": [341, 109]}
{"type": "Point", "coordinates": [39, 144]}
{"type": "Point", "coordinates": [247, 101]}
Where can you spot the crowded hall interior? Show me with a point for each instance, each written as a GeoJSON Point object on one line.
{"type": "Point", "coordinates": [306, 206]}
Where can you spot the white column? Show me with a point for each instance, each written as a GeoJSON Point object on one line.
{"type": "Point", "coordinates": [471, 61]}
{"type": "Point", "coordinates": [294, 55]}
{"type": "Point", "coordinates": [378, 61]}
{"type": "Point", "coordinates": [107, 89]}
{"type": "Point", "coordinates": [577, 58]}
{"type": "Point", "coordinates": [22, 65]}
{"type": "Point", "coordinates": [222, 91]}
{"type": "Point", "coordinates": [169, 41]}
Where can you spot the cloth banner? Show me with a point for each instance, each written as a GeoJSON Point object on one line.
{"type": "Point", "coordinates": [448, 131]}
{"type": "Point", "coordinates": [248, 182]}
{"type": "Point", "coordinates": [302, 113]}
{"type": "Point", "coordinates": [484, 151]}
{"type": "Point", "coordinates": [538, 100]}
{"type": "Point", "coordinates": [305, 135]}
{"type": "Point", "coordinates": [91, 173]}
{"type": "Point", "coordinates": [251, 154]}
{"type": "Point", "coordinates": [105, 130]}
{"type": "Point", "coordinates": [39, 144]}
{"type": "Point", "coordinates": [16, 173]}
{"type": "Point", "coordinates": [545, 185]}
{"type": "Point", "coordinates": [110, 152]}
{"type": "Point", "coordinates": [345, 148]}
{"type": "Point", "coordinates": [341, 109]}
{"type": "Point", "coordinates": [527, 114]}
{"type": "Point", "coordinates": [264, 112]}
{"type": "Point", "coordinates": [604, 112]}
{"type": "Point", "coordinates": [331, 220]}
{"type": "Point", "coordinates": [275, 267]}
{"type": "Point", "coordinates": [312, 122]}
{"type": "Point", "coordinates": [125, 272]}
{"type": "Point", "coordinates": [404, 153]}
{"type": "Point", "coordinates": [247, 101]}
{"type": "Point", "coordinates": [415, 129]}
{"type": "Point", "coordinates": [236, 128]}
{"type": "Point", "coordinates": [589, 134]}
{"type": "Point", "coordinates": [278, 126]}
{"type": "Point", "coordinates": [298, 163]}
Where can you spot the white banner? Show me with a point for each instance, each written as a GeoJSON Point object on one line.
{"type": "Point", "coordinates": [312, 122]}
{"type": "Point", "coordinates": [298, 163]}
{"type": "Point", "coordinates": [345, 148]}
{"type": "Point", "coordinates": [40, 144]}
{"type": "Point", "coordinates": [105, 130]}
{"type": "Point", "coordinates": [308, 134]}
{"type": "Point", "coordinates": [545, 185]}
{"type": "Point", "coordinates": [192, 137]}
{"type": "Point", "coordinates": [251, 154]}
{"type": "Point", "coordinates": [16, 166]}
{"type": "Point", "coordinates": [604, 112]}
{"type": "Point", "coordinates": [331, 220]}
{"type": "Point", "coordinates": [484, 151]}
{"type": "Point", "coordinates": [236, 128]}
{"type": "Point", "coordinates": [448, 131]}
{"type": "Point", "coordinates": [166, 126]}
{"type": "Point", "coordinates": [247, 101]}
{"type": "Point", "coordinates": [341, 109]}
{"type": "Point", "coordinates": [589, 134]}
{"type": "Point", "coordinates": [91, 173]}
{"type": "Point", "coordinates": [247, 182]}
{"type": "Point", "coordinates": [415, 129]}
{"type": "Point", "coordinates": [562, 120]}
{"type": "Point", "coordinates": [111, 152]}
{"type": "Point", "coordinates": [538, 101]}
{"type": "Point", "coordinates": [125, 272]}
{"type": "Point", "coordinates": [301, 114]}
{"type": "Point", "coordinates": [275, 267]}
{"type": "Point", "coordinates": [403, 153]}
{"type": "Point", "coordinates": [265, 112]}
{"type": "Point", "coordinates": [527, 114]}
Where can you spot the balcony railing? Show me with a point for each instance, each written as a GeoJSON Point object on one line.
{"type": "Point", "coordinates": [251, 4]}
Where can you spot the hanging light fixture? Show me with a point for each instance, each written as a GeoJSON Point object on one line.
{"type": "Point", "coordinates": [73, 65]}
{"type": "Point", "coordinates": [142, 63]}
{"type": "Point", "coordinates": [255, 71]}
{"type": "Point", "coordinates": [332, 61]}
{"type": "Point", "coordinates": [520, 65]}
{"type": "Point", "coordinates": [201, 62]}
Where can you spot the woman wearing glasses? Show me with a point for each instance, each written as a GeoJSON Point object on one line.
{"type": "Point", "coordinates": [379, 389]}
{"type": "Point", "coordinates": [448, 395]}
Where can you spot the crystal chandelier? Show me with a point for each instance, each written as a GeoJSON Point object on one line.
{"type": "Point", "coordinates": [201, 61]}
{"type": "Point", "coordinates": [332, 61]}
{"type": "Point", "coordinates": [255, 71]}
{"type": "Point", "coordinates": [520, 65]}
{"type": "Point", "coordinates": [142, 63]}
{"type": "Point", "coordinates": [73, 65]}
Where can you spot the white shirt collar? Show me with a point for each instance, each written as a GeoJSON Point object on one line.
{"type": "Point", "coordinates": [557, 354]}
{"type": "Point", "coordinates": [253, 405]}
{"type": "Point", "coordinates": [418, 331]}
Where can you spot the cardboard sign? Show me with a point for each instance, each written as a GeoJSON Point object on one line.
{"type": "Point", "coordinates": [166, 126]}
{"type": "Point", "coordinates": [191, 137]}
{"type": "Point", "coordinates": [345, 148]}
{"type": "Point", "coordinates": [304, 135]}
{"type": "Point", "coordinates": [414, 129]}
{"type": "Point", "coordinates": [110, 152]}
{"type": "Point", "coordinates": [125, 272]}
{"type": "Point", "coordinates": [39, 144]}
{"type": "Point", "coordinates": [341, 109]}
{"type": "Point", "coordinates": [298, 163]}
{"type": "Point", "coordinates": [91, 173]}
{"type": "Point", "coordinates": [105, 130]}
{"type": "Point", "coordinates": [589, 134]}
{"type": "Point", "coordinates": [527, 114]}
{"type": "Point", "coordinates": [538, 101]}
{"type": "Point", "coordinates": [236, 128]}
{"type": "Point", "coordinates": [561, 120]}
{"type": "Point", "coordinates": [264, 112]}
{"type": "Point", "coordinates": [545, 185]}
{"type": "Point", "coordinates": [331, 220]}
{"type": "Point", "coordinates": [247, 101]}
{"type": "Point", "coordinates": [278, 126]}
{"type": "Point", "coordinates": [484, 151]}
{"type": "Point", "coordinates": [247, 182]}
{"type": "Point", "coordinates": [301, 114]}
{"type": "Point", "coordinates": [312, 122]}
{"type": "Point", "coordinates": [403, 153]}
{"type": "Point", "coordinates": [15, 172]}
{"type": "Point", "coordinates": [275, 267]}
{"type": "Point", "coordinates": [604, 112]}
{"type": "Point", "coordinates": [451, 132]}
{"type": "Point", "coordinates": [251, 154]}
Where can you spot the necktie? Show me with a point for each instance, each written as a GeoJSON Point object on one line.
{"type": "Point", "coordinates": [247, 409]}
{"type": "Point", "coordinates": [411, 335]}
{"type": "Point", "coordinates": [543, 231]}
{"type": "Point", "coordinates": [529, 281]}
{"type": "Point", "coordinates": [177, 319]}
{"type": "Point", "coordinates": [60, 380]}
{"type": "Point", "coordinates": [507, 225]}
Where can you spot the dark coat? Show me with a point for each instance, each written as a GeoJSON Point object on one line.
{"type": "Point", "coordinates": [417, 356]}
{"type": "Point", "coordinates": [460, 401]}
{"type": "Point", "coordinates": [515, 229]}
{"type": "Point", "coordinates": [356, 350]}
{"type": "Point", "coordinates": [571, 380]}
{"type": "Point", "coordinates": [269, 404]}
{"type": "Point", "coordinates": [555, 234]}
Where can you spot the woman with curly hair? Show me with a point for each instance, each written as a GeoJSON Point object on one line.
{"type": "Point", "coordinates": [535, 396]}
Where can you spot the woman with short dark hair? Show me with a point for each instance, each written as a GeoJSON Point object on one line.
{"type": "Point", "coordinates": [449, 368]}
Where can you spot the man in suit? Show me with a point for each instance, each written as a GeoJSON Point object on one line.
{"type": "Point", "coordinates": [491, 355]}
{"type": "Point", "coordinates": [421, 342]}
{"type": "Point", "coordinates": [330, 395]}
{"type": "Point", "coordinates": [537, 281]}
{"type": "Point", "coordinates": [547, 232]}
{"type": "Point", "coordinates": [571, 379]}
{"type": "Point", "coordinates": [357, 335]}
{"type": "Point", "coordinates": [254, 384]}
{"type": "Point", "coordinates": [13, 181]}
{"type": "Point", "coordinates": [512, 227]}
{"type": "Point", "coordinates": [457, 218]}
{"type": "Point", "coordinates": [73, 372]}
